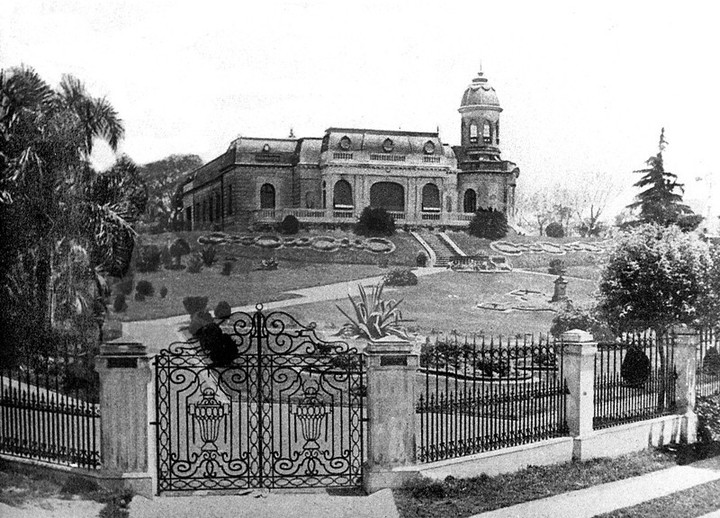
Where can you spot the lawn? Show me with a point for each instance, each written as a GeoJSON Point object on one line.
{"type": "Point", "coordinates": [695, 501]}
{"type": "Point", "coordinates": [465, 497]}
{"type": "Point", "coordinates": [245, 285]}
{"type": "Point", "coordinates": [447, 301]}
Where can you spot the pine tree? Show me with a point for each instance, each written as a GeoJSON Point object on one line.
{"type": "Point", "coordinates": [659, 202]}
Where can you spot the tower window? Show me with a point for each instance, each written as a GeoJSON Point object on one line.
{"type": "Point", "coordinates": [473, 133]}
{"type": "Point", "coordinates": [487, 133]}
{"type": "Point", "coordinates": [497, 132]}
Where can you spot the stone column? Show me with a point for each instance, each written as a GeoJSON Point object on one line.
{"type": "Point", "coordinates": [579, 350]}
{"type": "Point", "coordinates": [125, 375]}
{"type": "Point", "coordinates": [391, 371]}
{"type": "Point", "coordinates": [687, 341]}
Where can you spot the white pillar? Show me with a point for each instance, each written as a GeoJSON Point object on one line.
{"type": "Point", "coordinates": [687, 341]}
{"type": "Point", "coordinates": [579, 350]}
{"type": "Point", "coordinates": [391, 372]}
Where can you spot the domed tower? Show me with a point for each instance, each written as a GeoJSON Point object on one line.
{"type": "Point", "coordinates": [480, 112]}
{"type": "Point", "coordinates": [484, 179]}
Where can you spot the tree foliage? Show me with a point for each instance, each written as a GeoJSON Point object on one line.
{"type": "Point", "coordinates": [659, 202]}
{"type": "Point", "coordinates": [656, 277]}
{"type": "Point", "coordinates": [488, 224]}
{"type": "Point", "coordinates": [375, 222]}
{"type": "Point", "coordinates": [164, 180]}
{"type": "Point", "coordinates": [63, 226]}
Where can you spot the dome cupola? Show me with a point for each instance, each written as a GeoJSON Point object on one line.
{"type": "Point", "coordinates": [479, 94]}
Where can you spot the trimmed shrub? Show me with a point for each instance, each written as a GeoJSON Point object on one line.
{"type": "Point", "coordinates": [198, 321]}
{"type": "Point", "coordinates": [711, 362]}
{"type": "Point", "coordinates": [557, 267]}
{"type": "Point", "coordinates": [222, 310]}
{"type": "Point", "coordinates": [125, 286]}
{"type": "Point", "coordinates": [139, 297]}
{"type": "Point", "coordinates": [208, 254]}
{"type": "Point", "coordinates": [586, 319]}
{"type": "Point", "coordinates": [179, 248]}
{"type": "Point", "coordinates": [488, 224]}
{"type": "Point", "coordinates": [195, 263]}
{"type": "Point", "coordinates": [227, 268]}
{"type": "Point", "coordinates": [290, 225]}
{"type": "Point", "coordinates": [119, 304]}
{"type": "Point", "coordinates": [220, 348]}
{"type": "Point", "coordinates": [195, 304]}
{"type": "Point", "coordinates": [400, 277]}
{"type": "Point", "coordinates": [149, 258]}
{"type": "Point", "coordinates": [635, 368]}
{"type": "Point", "coordinates": [166, 257]}
{"type": "Point", "coordinates": [145, 288]}
{"type": "Point", "coordinates": [375, 222]}
{"type": "Point", "coordinates": [421, 259]}
{"type": "Point", "coordinates": [554, 229]}
{"type": "Point", "coordinates": [163, 292]}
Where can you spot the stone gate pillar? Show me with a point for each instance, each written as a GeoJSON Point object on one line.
{"type": "Point", "coordinates": [579, 349]}
{"type": "Point", "coordinates": [125, 375]}
{"type": "Point", "coordinates": [687, 341]}
{"type": "Point", "coordinates": [391, 372]}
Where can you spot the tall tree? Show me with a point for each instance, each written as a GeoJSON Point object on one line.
{"type": "Point", "coordinates": [50, 209]}
{"type": "Point", "coordinates": [163, 178]}
{"type": "Point", "coordinates": [659, 202]}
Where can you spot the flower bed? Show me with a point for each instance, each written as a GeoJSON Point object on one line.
{"type": "Point", "coordinates": [268, 241]}
{"type": "Point", "coordinates": [324, 243]}
{"type": "Point", "coordinates": [509, 248]}
{"type": "Point", "coordinates": [379, 245]}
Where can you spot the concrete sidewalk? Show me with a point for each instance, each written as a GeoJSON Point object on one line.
{"type": "Point", "coordinates": [267, 505]}
{"type": "Point", "coordinates": [605, 498]}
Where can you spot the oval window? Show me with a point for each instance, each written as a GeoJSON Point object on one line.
{"type": "Point", "coordinates": [388, 145]}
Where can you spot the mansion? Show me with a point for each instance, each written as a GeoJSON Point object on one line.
{"type": "Point", "coordinates": [419, 179]}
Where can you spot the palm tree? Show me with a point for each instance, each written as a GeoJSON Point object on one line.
{"type": "Point", "coordinates": [51, 206]}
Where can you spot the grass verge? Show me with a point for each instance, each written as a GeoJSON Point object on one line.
{"type": "Point", "coordinates": [465, 497]}
{"type": "Point", "coordinates": [20, 487]}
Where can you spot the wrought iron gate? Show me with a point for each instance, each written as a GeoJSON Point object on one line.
{"type": "Point", "coordinates": [286, 410]}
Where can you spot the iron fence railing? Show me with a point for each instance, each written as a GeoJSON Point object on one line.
{"type": "Point", "coordinates": [49, 407]}
{"type": "Point", "coordinates": [634, 379]}
{"type": "Point", "coordinates": [479, 395]}
{"type": "Point", "coordinates": [708, 363]}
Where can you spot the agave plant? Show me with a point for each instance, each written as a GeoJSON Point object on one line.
{"type": "Point", "coordinates": [374, 317]}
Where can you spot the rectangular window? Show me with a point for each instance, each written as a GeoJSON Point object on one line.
{"type": "Point", "coordinates": [230, 201]}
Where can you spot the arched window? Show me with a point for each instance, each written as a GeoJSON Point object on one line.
{"type": "Point", "coordinates": [487, 133]}
{"type": "Point", "coordinates": [497, 132]}
{"type": "Point", "coordinates": [204, 211]}
{"type": "Point", "coordinates": [324, 195]}
{"type": "Point", "coordinates": [196, 214]}
{"type": "Point", "coordinates": [342, 195]}
{"type": "Point", "coordinates": [473, 133]}
{"type": "Point", "coordinates": [267, 196]}
{"type": "Point", "coordinates": [430, 198]}
{"type": "Point", "coordinates": [388, 195]}
{"type": "Point", "coordinates": [470, 201]}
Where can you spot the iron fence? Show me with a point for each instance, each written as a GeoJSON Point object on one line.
{"type": "Point", "coordinates": [708, 363]}
{"type": "Point", "coordinates": [479, 395]}
{"type": "Point", "coordinates": [49, 407]}
{"type": "Point", "coordinates": [634, 379]}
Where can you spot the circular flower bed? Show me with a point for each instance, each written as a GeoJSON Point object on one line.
{"type": "Point", "coordinates": [212, 240]}
{"type": "Point", "coordinates": [325, 243]}
{"type": "Point", "coordinates": [379, 245]}
{"type": "Point", "coordinates": [302, 241]}
{"type": "Point", "coordinates": [505, 247]}
{"type": "Point", "coordinates": [552, 248]}
{"type": "Point", "coordinates": [268, 241]}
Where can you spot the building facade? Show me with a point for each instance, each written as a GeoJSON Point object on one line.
{"type": "Point", "coordinates": [414, 175]}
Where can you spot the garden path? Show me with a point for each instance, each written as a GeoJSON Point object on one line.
{"type": "Point", "coordinates": [158, 334]}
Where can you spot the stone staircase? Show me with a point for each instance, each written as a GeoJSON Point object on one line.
{"type": "Point", "coordinates": [442, 250]}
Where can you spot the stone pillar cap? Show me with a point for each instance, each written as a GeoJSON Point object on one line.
{"type": "Point", "coordinates": [123, 346]}
{"type": "Point", "coordinates": [576, 336]}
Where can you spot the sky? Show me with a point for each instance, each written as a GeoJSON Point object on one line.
{"type": "Point", "coordinates": [585, 86]}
